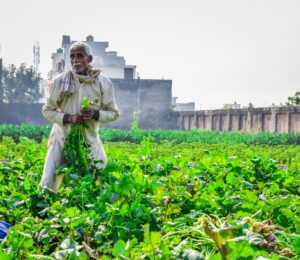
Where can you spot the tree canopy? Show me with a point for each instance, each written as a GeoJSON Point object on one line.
{"type": "Point", "coordinates": [20, 84]}
{"type": "Point", "coordinates": [295, 100]}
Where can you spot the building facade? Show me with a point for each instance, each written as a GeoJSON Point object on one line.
{"type": "Point", "coordinates": [150, 98]}
{"type": "Point", "coordinates": [109, 62]}
{"type": "Point", "coordinates": [189, 106]}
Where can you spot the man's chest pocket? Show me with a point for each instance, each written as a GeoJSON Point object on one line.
{"type": "Point", "coordinates": [95, 103]}
{"type": "Point", "coordinates": [95, 96]}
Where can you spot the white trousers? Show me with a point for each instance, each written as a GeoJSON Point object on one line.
{"type": "Point", "coordinates": [54, 159]}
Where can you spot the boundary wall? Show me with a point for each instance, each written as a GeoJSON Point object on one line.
{"type": "Point", "coordinates": [271, 119]}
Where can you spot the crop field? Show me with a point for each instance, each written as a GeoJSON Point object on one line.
{"type": "Point", "coordinates": [163, 195]}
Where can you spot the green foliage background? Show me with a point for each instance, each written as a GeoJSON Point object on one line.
{"type": "Point", "coordinates": [294, 100]}
{"type": "Point", "coordinates": [20, 84]}
{"type": "Point", "coordinates": [136, 136]}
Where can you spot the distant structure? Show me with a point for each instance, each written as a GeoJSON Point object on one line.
{"type": "Point", "coordinates": [151, 98]}
{"type": "Point", "coordinates": [263, 119]}
{"type": "Point", "coordinates": [189, 106]}
{"type": "Point", "coordinates": [235, 105]}
{"type": "Point", "coordinates": [36, 57]}
{"type": "Point", "coordinates": [109, 62]}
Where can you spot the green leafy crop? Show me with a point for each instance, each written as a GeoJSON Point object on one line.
{"type": "Point", "coordinates": [157, 200]}
{"type": "Point", "coordinates": [77, 149]}
{"type": "Point", "coordinates": [136, 135]}
{"type": "Point", "coordinates": [85, 103]}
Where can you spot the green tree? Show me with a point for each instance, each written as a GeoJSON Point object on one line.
{"type": "Point", "coordinates": [20, 84]}
{"type": "Point", "coordinates": [295, 100]}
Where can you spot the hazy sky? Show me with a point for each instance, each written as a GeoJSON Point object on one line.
{"type": "Point", "coordinates": [215, 51]}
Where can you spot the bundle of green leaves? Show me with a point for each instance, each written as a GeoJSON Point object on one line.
{"type": "Point", "coordinates": [77, 152]}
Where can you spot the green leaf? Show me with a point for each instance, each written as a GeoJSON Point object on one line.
{"type": "Point", "coordinates": [240, 249]}
{"type": "Point", "coordinates": [155, 238]}
{"type": "Point", "coordinates": [85, 103]}
{"type": "Point", "coordinates": [6, 169]}
{"type": "Point", "coordinates": [27, 183]}
{"type": "Point", "coordinates": [296, 244]}
{"type": "Point", "coordinates": [119, 248]}
{"type": "Point", "coordinates": [68, 243]}
{"type": "Point", "coordinates": [4, 256]}
{"type": "Point", "coordinates": [66, 254]}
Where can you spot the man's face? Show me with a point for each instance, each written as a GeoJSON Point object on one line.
{"type": "Point", "coordinates": [79, 60]}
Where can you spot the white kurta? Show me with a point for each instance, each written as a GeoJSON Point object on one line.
{"type": "Point", "coordinates": [101, 94]}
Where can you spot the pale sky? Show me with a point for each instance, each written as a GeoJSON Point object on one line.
{"type": "Point", "coordinates": [214, 51]}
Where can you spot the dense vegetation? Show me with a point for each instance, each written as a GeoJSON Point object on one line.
{"type": "Point", "coordinates": [113, 135]}
{"type": "Point", "coordinates": [294, 100]}
{"type": "Point", "coordinates": [20, 84]}
{"type": "Point", "coordinates": [163, 196]}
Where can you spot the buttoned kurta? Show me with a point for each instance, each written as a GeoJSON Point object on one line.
{"type": "Point", "coordinates": [58, 103]}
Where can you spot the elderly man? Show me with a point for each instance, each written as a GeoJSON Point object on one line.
{"type": "Point", "coordinates": [62, 107]}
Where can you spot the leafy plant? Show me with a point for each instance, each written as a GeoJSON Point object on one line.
{"type": "Point", "coordinates": [157, 200]}
{"type": "Point", "coordinates": [136, 135]}
{"type": "Point", "coordinates": [77, 150]}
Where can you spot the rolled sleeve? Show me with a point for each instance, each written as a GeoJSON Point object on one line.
{"type": "Point", "coordinates": [51, 107]}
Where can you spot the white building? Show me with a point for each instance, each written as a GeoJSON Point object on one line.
{"type": "Point", "coordinates": [235, 105]}
{"type": "Point", "coordinates": [189, 106]}
{"type": "Point", "coordinates": [109, 62]}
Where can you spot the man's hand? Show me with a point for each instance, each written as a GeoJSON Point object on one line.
{"type": "Point", "coordinates": [75, 119]}
{"type": "Point", "coordinates": [87, 113]}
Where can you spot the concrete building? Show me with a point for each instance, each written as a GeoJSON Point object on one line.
{"type": "Point", "coordinates": [189, 106]}
{"type": "Point", "coordinates": [109, 62]}
{"type": "Point", "coordinates": [151, 98]}
{"type": "Point", "coordinates": [235, 105]}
